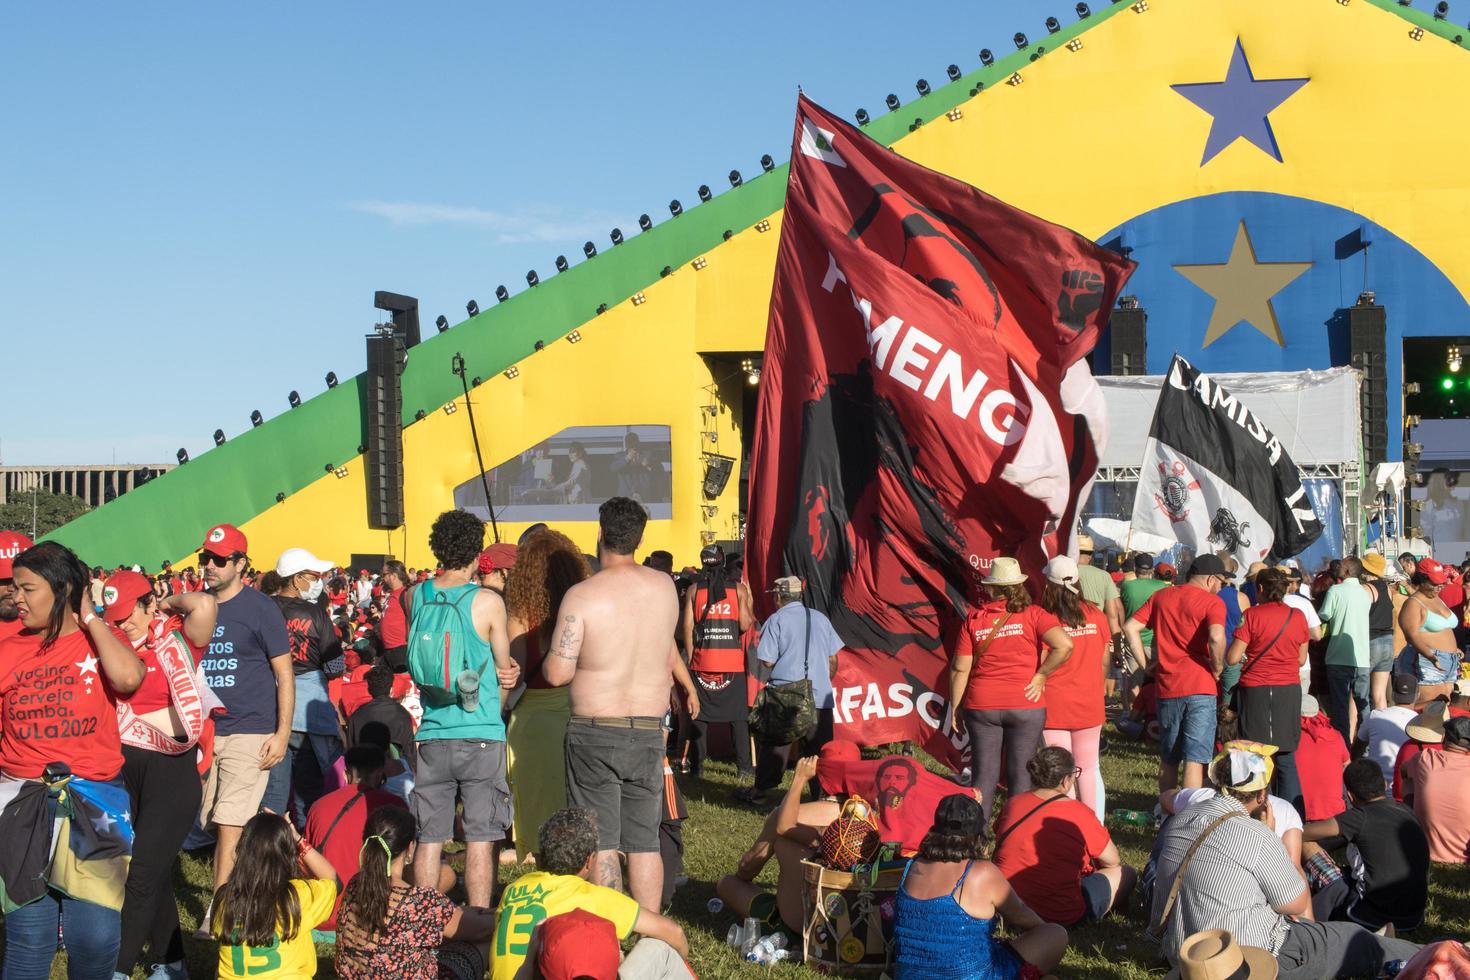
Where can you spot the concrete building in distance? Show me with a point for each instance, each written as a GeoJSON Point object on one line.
{"type": "Point", "coordinates": [95, 484]}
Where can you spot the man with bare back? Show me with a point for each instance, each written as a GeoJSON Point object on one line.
{"type": "Point", "coordinates": [614, 645]}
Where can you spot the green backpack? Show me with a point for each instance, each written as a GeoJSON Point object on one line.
{"type": "Point", "coordinates": [440, 635]}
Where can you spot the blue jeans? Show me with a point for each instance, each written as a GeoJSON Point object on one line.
{"type": "Point", "coordinates": [307, 780]}
{"type": "Point", "coordinates": [1343, 684]}
{"type": "Point", "coordinates": [92, 933]}
{"type": "Point", "coordinates": [1189, 729]}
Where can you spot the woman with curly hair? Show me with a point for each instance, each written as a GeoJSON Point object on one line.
{"type": "Point", "coordinates": [547, 565]}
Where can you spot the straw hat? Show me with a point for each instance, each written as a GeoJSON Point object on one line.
{"type": "Point", "coordinates": [1374, 564]}
{"type": "Point", "coordinates": [1215, 955]}
{"type": "Point", "coordinates": [1005, 571]}
{"type": "Point", "coordinates": [1428, 725]}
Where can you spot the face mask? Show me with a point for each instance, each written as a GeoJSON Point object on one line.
{"type": "Point", "coordinates": [314, 591]}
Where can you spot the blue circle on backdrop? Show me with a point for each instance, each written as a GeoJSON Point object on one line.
{"type": "Point", "coordinates": [1348, 254]}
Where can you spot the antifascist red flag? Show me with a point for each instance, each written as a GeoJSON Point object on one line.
{"type": "Point", "coordinates": [925, 407]}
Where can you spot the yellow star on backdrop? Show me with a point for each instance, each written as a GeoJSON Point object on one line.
{"type": "Point", "coordinates": [1243, 288]}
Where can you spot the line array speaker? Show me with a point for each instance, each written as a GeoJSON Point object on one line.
{"type": "Point", "coordinates": [384, 416]}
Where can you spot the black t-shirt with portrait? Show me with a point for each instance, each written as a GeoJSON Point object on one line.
{"type": "Point", "coordinates": [315, 644]}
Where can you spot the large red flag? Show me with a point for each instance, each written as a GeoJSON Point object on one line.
{"type": "Point", "coordinates": [925, 407]}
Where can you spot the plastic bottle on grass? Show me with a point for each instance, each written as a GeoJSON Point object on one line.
{"type": "Point", "coordinates": [1137, 818]}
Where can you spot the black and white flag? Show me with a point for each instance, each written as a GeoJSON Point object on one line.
{"type": "Point", "coordinates": [1216, 479]}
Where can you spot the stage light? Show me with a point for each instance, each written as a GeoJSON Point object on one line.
{"type": "Point", "coordinates": [1417, 34]}
{"type": "Point", "coordinates": [183, 456]}
{"type": "Point", "coordinates": [1412, 421]}
{"type": "Point", "coordinates": [575, 337]}
{"type": "Point", "coordinates": [675, 208]}
{"type": "Point", "coordinates": [700, 263]}
{"type": "Point", "coordinates": [1441, 10]}
{"type": "Point", "coordinates": [891, 101]}
{"type": "Point", "coordinates": [1446, 383]}
{"type": "Point", "coordinates": [665, 272]}
{"type": "Point", "coordinates": [615, 236]}
{"type": "Point", "coordinates": [1452, 358]}
{"type": "Point", "coordinates": [340, 472]}
{"type": "Point", "coordinates": [294, 398]}
{"type": "Point", "coordinates": [419, 415]}
{"type": "Point", "coordinates": [330, 467]}
{"type": "Point", "coordinates": [1128, 303]}
{"type": "Point", "coordinates": [442, 323]}
{"type": "Point", "coordinates": [704, 194]}
{"type": "Point", "coordinates": [763, 225]}
{"type": "Point", "coordinates": [1015, 79]}
{"type": "Point", "coordinates": [512, 372]}
{"type": "Point", "coordinates": [1141, 7]}
{"type": "Point", "coordinates": [922, 86]}
{"type": "Point", "coordinates": [1412, 388]}
{"type": "Point", "coordinates": [955, 115]}
{"type": "Point", "coordinates": [473, 308]}
{"type": "Point", "coordinates": [1406, 3]}
{"type": "Point", "coordinates": [280, 497]}
{"type": "Point", "coordinates": [532, 279]}
{"type": "Point", "coordinates": [767, 164]}
{"type": "Point", "coordinates": [331, 380]}
{"type": "Point", "coordinates": [501, 294]}
{"type": "Point", "coordinates": [1020, 41]}
{"type": "Point", "coordinates": [953, 71]}
{"type": "Point", "coordinates": [861, 116]}
{"type": "Point", "coordinates": [639, 299]}
{"type": "Point", "coordinates": [1053, 25]}
{"type": "Point", "coordinates": [644, 222]}
{"type": "Point", "coordinates": [476, 381]}
{"type": "Point", "coordinates": [601, 308]}
{"type": "Point", "coordinates": [987, 58]}
{"type": "Point", "coordinates": [590, 250]}
{"type": "Point", "coordinates": [561, 264]}
{"type": "Point", "coordinates": [1083, 11]}
{"type": "Point", "coordinates": [451, 407]}
{"type": "Point", "coordinates": [539, 346]}
{"type": "Point", "coordinates": [219, 437]}
{"type": "Point", "coordinates": [735, 179]}
{"type": "Point", "coordinates": [256, 419]}
{"type": "Point", "coordinates": [1074, 45]}
{"type": "Point", "coordinates": [727, 234]}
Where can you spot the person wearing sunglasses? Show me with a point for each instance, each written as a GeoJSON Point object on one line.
{"type": "Point", "coordinates": [248, 667]}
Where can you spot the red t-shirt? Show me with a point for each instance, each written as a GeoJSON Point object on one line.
{"type": "Point", "coordinates": [1407, 752]}
{"type": "Point", "coordinates": [999, 676]}
{"type": "Point", "coordinates": [1320, 757]}
{"type": "Point", "coordinates": [153, 693]}
{"type": "Point", "coordinates": [1046, 857]}
{"type": "Point", "coordinates": [1074, 691]}
{"type": "Point", "coordinates": [352, 691]}
{"type": "Point", "coordinates": [1181, 618]}
{"type": "Point", "coordinates": [393, 626]}
{"type": "Point", "coordinates": [345, 844]}
{"type": "Point", "coordinates": [55, 706]}
{"type": "Point", "coordinates": [1278, 665]}
{"type": "Point", "coordinates": [10, 628]}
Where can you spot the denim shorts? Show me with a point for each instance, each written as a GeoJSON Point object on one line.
{"type": "Point", "coordinates": [1380, 654]}
{"type": "Point", "coordinates": [1189, 729]}
{"type": "Point", "coordinates": [1443, 669]}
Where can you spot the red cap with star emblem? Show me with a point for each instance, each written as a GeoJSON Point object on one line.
{"type": "Point", "coordinates": [12, 543]}
{"type": "Point", "coordinates": [225, 540]}
{"type": "Point", "coordinates": [120, 595]}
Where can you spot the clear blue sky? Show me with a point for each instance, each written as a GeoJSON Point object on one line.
{"type": "Point", "coordinates": [198, 201]}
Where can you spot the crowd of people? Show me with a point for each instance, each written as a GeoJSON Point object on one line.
{"type": "Point", "coordinates": [330, 732]}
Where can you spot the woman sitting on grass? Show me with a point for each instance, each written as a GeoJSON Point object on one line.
{"type": "Point", "coordinates": [948, 903]}
{"type": "Point", "coordinates": [263, 916]}
{"type": "Point", "coordinates": [390, 928]}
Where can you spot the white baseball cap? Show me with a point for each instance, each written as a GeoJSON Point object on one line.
{"type": "Point", "coordinates": [294, 561]}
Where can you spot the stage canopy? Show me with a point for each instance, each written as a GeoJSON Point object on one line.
{"type": "Point", "coordinates": [1313, 413]}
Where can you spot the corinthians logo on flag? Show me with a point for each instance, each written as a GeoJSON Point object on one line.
{"type": "Point", "coordinates": [1216, 479]}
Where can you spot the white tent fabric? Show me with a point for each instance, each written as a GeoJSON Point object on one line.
{"type": "Point", "coordinates": [1314, 414]}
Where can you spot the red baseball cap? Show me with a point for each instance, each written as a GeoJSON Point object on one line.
{"type": "Point", "coordinates": [1432, 570]}
{"type": "Point", "coordinates": [225, 540]}
{"type": "Point", "coordinates": [578, 944]}
{"type": "Point", "coordinates": [12, 543]}
{"type": "Point", "coordinates": [497, 557]}
{"type": "Point", "coordinates": [120, 594]}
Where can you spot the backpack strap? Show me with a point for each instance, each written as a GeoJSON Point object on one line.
{"type": "Point", "coordinates": [1024, 817]}
{"type": "Point", "coordinates": [338, 818]}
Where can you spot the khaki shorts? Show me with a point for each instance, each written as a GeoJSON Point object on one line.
{"type": "Point", "coordinates": [235, 783]}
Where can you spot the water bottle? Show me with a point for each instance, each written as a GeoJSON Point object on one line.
{"type": "Point", "coordinates": [778, 940]}
{"type": "Point", "coordinates": [779, 955]}
{"type": "Point", "coordinates": [715, 906]}
{"type": "Point", "coordinates": [1137, 818]}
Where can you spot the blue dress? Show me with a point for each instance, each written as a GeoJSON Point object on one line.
{"type": "Point", "coordinates": [936, 939]}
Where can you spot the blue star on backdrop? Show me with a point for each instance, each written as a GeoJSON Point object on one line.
{"type": "Point", "coordinates": [1241, 105]}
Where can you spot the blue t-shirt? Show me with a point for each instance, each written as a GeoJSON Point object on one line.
{"type": "Point", "coordinates": [250, 632]}
{"type": "Point", "coordinates": [783, 637]}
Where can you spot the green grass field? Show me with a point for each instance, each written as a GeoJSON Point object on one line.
{"type": "Point", "coordinates": [717, 832]}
